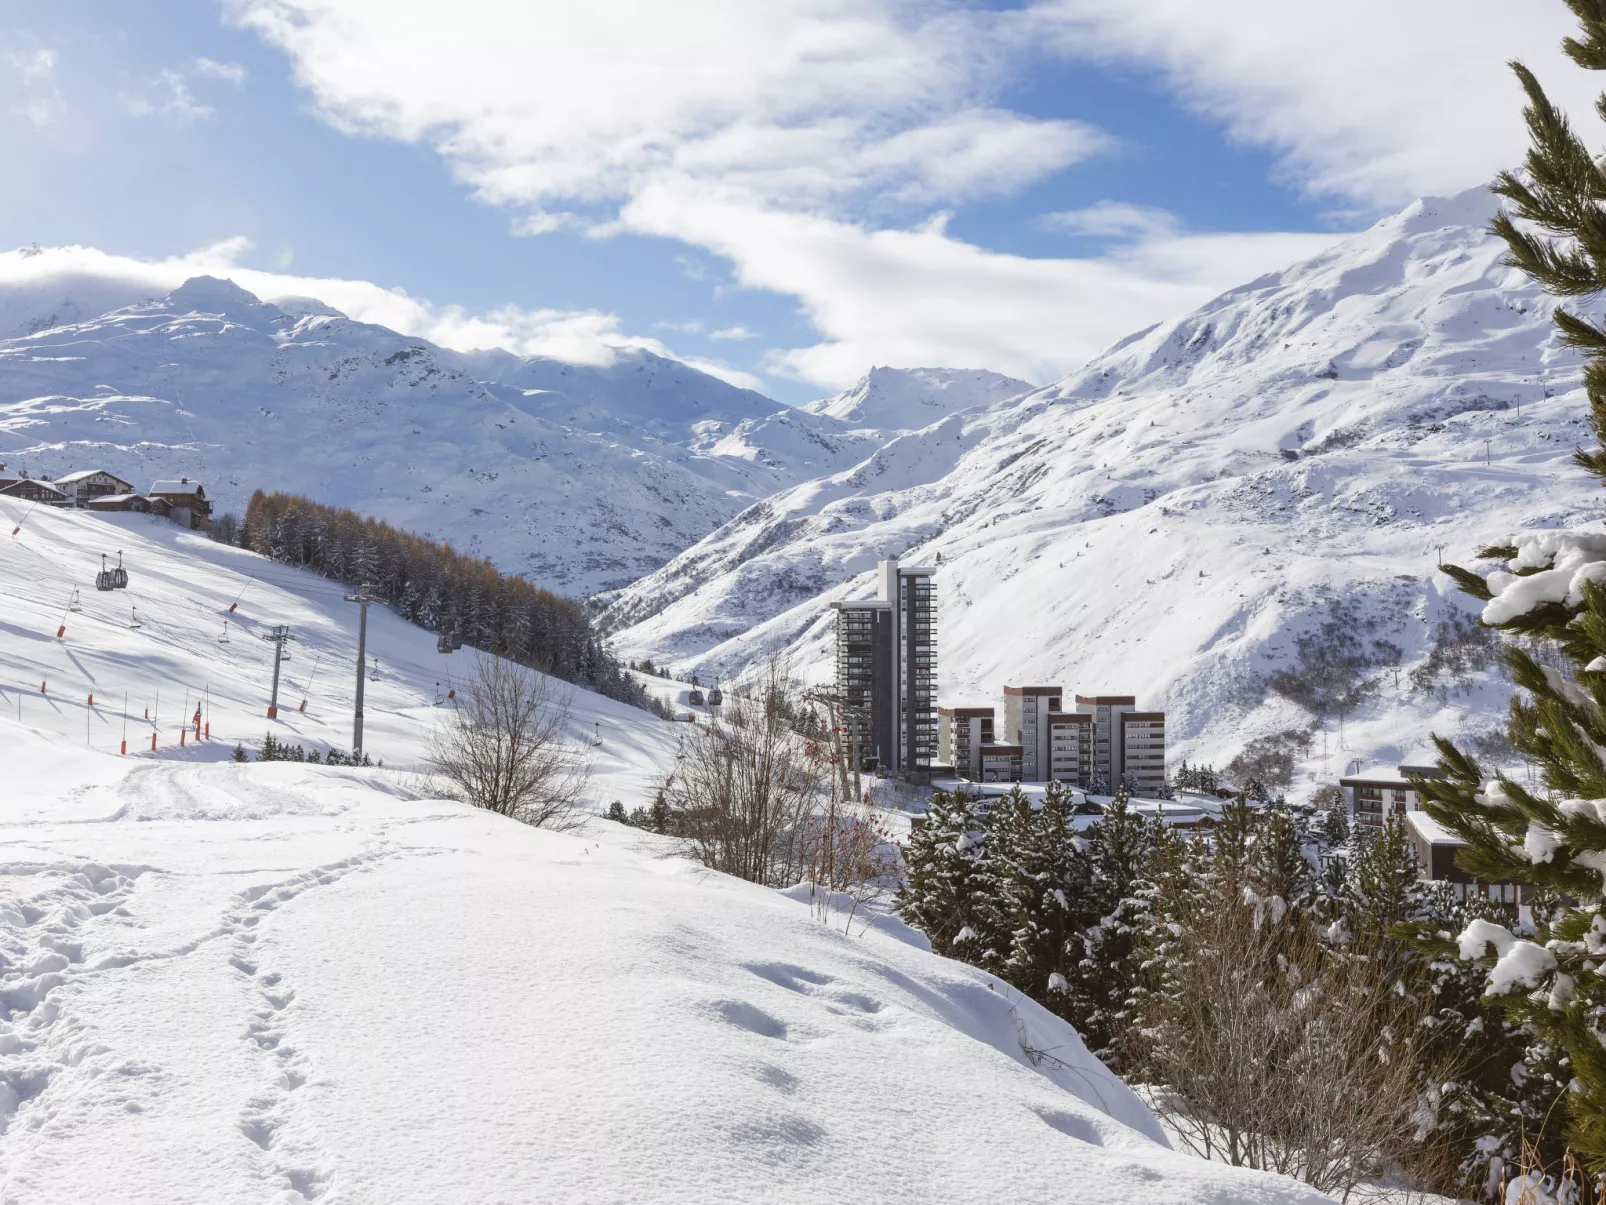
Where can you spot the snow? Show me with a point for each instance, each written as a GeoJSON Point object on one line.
{"type": "Point", "coordinates": [290, 982]}
{"type": "Point", "coordinates": [1171, 520]}
{"type": "Point", "coordinates": [1518, 963]}
{"type": "Point", "coordinates": [1564, 562]}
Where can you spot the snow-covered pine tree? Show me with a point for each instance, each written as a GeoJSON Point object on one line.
{"type": "Point", "coordinates": [1277, 863]}
{"type": "Point", "coordinates": [1550, 593]}
{"type": "Point", "coordinates": [1120, 847]}
{"type": "Point", "coordinates": [1034, 881]}
{"type": "Point", "coordinates": [942, 887]}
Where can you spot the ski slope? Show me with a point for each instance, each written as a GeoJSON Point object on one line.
{"type": "Point", "coordinates": [147, 681]}
{"type": "Point", "coordinates": [287, 982]}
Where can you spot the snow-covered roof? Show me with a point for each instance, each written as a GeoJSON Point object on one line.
{"type": "Point", "coordinates": [176, 487]}
{"type": "Point", "coordinates": [39, 481]}
{"type": "Point", "coordinates": [105, 498]}
{"type": "Point", "coordinates": [1430, 830]}
{"type": "Point", "coordinates": [84, 475]}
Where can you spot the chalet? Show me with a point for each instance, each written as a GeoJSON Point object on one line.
{"type": "Point", "coordinates": [30, 490]}
{"type": "Point", "coordinates": [183, 501]}
{"type": "Point", "coordinates": [8, 477]}
{"type": "Point", "coordinates": [87, 484]}
{"type": "Point", "coordinates": [1436, 847]}
{"type": "Point", "coordinates": [130, 502]}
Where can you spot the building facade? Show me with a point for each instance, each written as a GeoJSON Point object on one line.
{"type": "Point", "coordinates": [962, 732]}
{"type": "Point", "coordinates": [1070, 748]}
{"type": "Point", "coordinates": [30, 489]}
{"type": "Point", "coordinates": [1372, 796]}
{"type": "Point", "coordinates": [1000, 763]}
{"type": "Point", "coordinates": [1143, 750]}
{"type": "Point", "coordinates": [1026, 713]}
{"type": "Point", "coordinates": [187, 502]}
{"type": "Point", "coordinates": [886, 652]}
{"type": "Point", "coordinates": [86, 485]}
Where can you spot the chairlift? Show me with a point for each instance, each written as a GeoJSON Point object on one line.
{"type": "Point", "coordinates": [103, 579]}
{"type": "Point", "coordinates": [119, 574]}
{"type": "Point", "coordinates": [224, 639]}
{"type": "Point", "coordinates": [133, 618]}
{"type": "Point", "coordinates": [373, 672]}
{"type": "Point", "coordinates": [73, 604]}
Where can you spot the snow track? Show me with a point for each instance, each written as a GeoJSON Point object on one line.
{"type": "Point", "coordinates": [284, 983]}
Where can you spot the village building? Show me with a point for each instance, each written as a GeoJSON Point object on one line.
{"type": "Point", "coordinates": [119, 502]}
{"type": "Point", "coordinates": [29, 489]}
{"type": "Point", "coordinates": [886, 671]}
{"type": "Point", "coordinates": [1070, 747]}
{"type": "Point", "coordinates": [87, 484]}
{"type": "Point", "coordinates": [1026, 712]}
{"type": "Point", "coordinates": [1001, 763]}
{"type": "Point", "coordinates": [1372, 795]}
{"type": "Point", "coordinates": [962, 734]}
{"type": "Point", "coordinates": [1436, 847]}
{"type": "Point", "coordinates": [183, 501]}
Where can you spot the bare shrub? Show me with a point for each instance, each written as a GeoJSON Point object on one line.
{"type": "Point", "coordinates": [1276, 1050]}
{"type": "Point", "coordinates": [506, 747]}
{"type": "Point", "coordinates": [1461, 648]}
{"type": "Point", "coordinates": [1270, 760]}
{"type": "Point", "coordinates": [850, 859]}
{"type": "Point", "coordinates": [746, 785]}
{"type": "Point", "coordinates": [1332, 673]}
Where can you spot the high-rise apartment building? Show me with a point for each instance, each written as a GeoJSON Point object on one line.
{"type": "Point", "coordinates": [886, 663]}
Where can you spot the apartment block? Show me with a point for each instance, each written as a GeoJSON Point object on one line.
{"type": "Point", "coordinates": [1142, 751]}
{"type": "Point", "coordinates": [1000, 763]}
{"type": "Point", "coordinates": [962, 733]}
{"type": "Point", "coordinates": [886, 654]}
{"type": "Point", "coordinates": [1070, 748]}
{"type": "Point", "coordinates": [1026, 712]}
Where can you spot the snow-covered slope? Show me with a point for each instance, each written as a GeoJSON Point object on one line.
{"type": "Point", "coordinates": [579, 490]}
{"type": "Point", "coordinates": [894, 399]}
{"type": "Point", "coordinates": [287, 982]}
{"type": "Point", "coordinates": [1170, 520]}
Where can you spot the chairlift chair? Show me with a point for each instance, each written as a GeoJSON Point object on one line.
{"type": "Point", "coordinates": [373, 672]}
{"type": "Point", "coordinates": [119, 574]}
{"type": "Point", "coordinates": [133, 618]}
{"type": "Point", "coordinates": [224, 639]}
{"type": "Point", "coordinates": [73, 604]}
{"type": "Point", "coordinates": [103, 579]}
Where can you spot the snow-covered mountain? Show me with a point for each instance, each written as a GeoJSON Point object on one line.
{"type": "Point", "coordinates": [895, 399]}
{"type": "Point", "coordinates": [1200, 507]}
{"type": "Point", "coordinates": [581, 477]}
{"type": "Point", "coordinates": [279, 982]}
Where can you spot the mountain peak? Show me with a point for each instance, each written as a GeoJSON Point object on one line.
{"type": "Point", "coordinates": [211, 295]}
{"type": "Point", "coordinates": [911, 398]}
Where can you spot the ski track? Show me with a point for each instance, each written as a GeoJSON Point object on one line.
{"type": "Point", "coordinates": [53, 914]}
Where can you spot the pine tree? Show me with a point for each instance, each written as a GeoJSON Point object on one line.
{"type": "Point", "coordinates": [1120, 848]}
{"type": "Point", "coordinates": [1277, 863]}
{"type": "Point", "coordinates": [239, 752]}
{"type": "Point", "coordinates": [1384, 888]}
{"type": "Point", "coordinates": [941, 887]}
{"type": "Point", "coordinates": [1555, 229]}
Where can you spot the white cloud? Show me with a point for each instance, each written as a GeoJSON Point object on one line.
{"type": "Point", "coordinates": [36, 66]}
{"type": "Point", "coordinates": [1112, 219]}
{"type": "Point", "coordinates": [229, 73]}
{"type": "Point", "coordinates": [909, 298]}
{"type": "Point", "coordinates": [579, 336]}
{"type": "Point", "coordinates": [733, 334]}
{"type": "Point", "coordinates": [166, 93]}
{"type": "Point", "coordinates": [1376, 100]}
{"type": "Point", "coordinates": [813, 144]}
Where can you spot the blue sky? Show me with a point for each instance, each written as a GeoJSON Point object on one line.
{"type": "Point", "coordinates": [894, 205]}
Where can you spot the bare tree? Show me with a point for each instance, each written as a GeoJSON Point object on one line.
{"type": "Point", "coordinates": [745, 785]}
{"type": "Point", "coordinates": [1277, 1050]}
{"type": "Point", "coordinates": [506, 748]}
